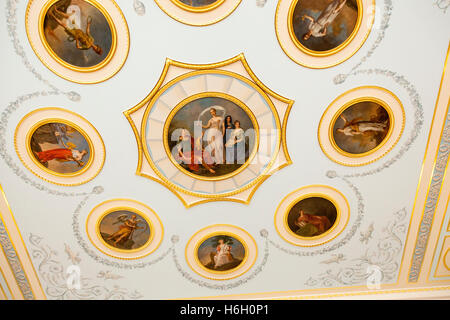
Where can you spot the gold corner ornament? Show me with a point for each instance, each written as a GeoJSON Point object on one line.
{"type": "Point", "coordinates": [229, 87]}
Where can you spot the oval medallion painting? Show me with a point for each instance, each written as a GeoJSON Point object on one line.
{"type": "Point", "coordinates": [211, 137]}
{"type": "Point", "coordinates": [311, 217]}
{"type": "Point", "coordinates": [61, 148]}
{"type": "Point", "coordinates": [361, 128]}
{"type": "Point", "coordinates": [125, 230]}
{"type": "Point", "coordinates": [78, 32]}
{"type": "Point", "coordinates": [322, 26]}
{"type": "Point", "coordinates": [221, 253]}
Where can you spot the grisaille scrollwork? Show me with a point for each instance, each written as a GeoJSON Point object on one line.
{"type": "Point", "coordinates": [383, 256]}
{"type": "Point", "coordinates": [53, 273]}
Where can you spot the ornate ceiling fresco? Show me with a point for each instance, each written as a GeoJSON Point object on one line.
{"type": "Point", "coordinates": [175, 149]}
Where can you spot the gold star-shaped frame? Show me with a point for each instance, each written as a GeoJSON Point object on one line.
{"type": "Point", "coordinates": [182, 82]}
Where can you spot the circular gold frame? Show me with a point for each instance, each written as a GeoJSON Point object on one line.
{"type": "Point", "coordinates": [350, 104]}
{"type": "Point", "coordinates": [51, 119]}
{"type": "Point", "coordinates": [204, 95]}
{"type": "Point", "coordinates": [221, 275]}
{"type": "Point", "coordinates": [155, 226]}
{"type": "Point", "coordinates": [379, 95]}
{"type": "Point", "coordinates": [106, 69]}
{"type": "Point", "coordinates": [327, 52]}
{"type": "Point", "coordinates": [73, 125]}
{"type": "Point", "coordinates": [230, 234]}
{"type": "Point", "coordinates": [100, 65]}
{"type": "Point", "coordinates": [307, 196]}
{"type": "Point", "coordinates": [144, 123]}
{"type": "Point", "coordinates": [206, 8]}
{"type": "Point", "coordinates": [326, 59]}
{"type": "Point", "coordinates": [133, 210]}
{"type": "Point", "coordinates": [322, 191]}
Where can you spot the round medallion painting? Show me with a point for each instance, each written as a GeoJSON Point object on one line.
{"type": "Point", "coordinates": [78, 32]}
{"type": "Point", "coordinates": [211, 137]}
{"type": "Point", "coordinates": [361, 128]}
{"type": "Point", "coordinates": [221, 253]}
{"type": "Point", "coordinates": [60, 148]}
{"type": "Point", "coordinates": [324, 25]}
{"type": "Point", "coordinates": [124, 230]}
{"type": "Point", "coordinates": [311, 217]}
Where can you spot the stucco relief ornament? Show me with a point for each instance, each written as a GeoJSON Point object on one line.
{"type": "Point", "coordinates": [210, 132]}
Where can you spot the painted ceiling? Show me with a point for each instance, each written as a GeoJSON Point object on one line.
{"type": "Point", "coordinates": [394, 234]}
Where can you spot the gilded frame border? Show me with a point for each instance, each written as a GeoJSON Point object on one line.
{"type": "Point", "coordinates": [330, 58]}
{"type": "Point", "coordinates": [249, 243]}
{"type": "Point", "coordinates": [112, 27]}
{"type": "Point", "coordinates": [101, 210]}
{"type": "Point", "coordinates": [31, 121]}
{"type": "Point", "coordinates": [186, 101]}
{"type": "Point", "coordinates": [323, 191]}
{"type": "Point", "coordinates": [103, 71]}
{"type": "Point", "coordinates": [388, 100]}
{"type": "Point", "coordinates": [135, 120]}
{"type": "Point", "coordinates": [255, 181]}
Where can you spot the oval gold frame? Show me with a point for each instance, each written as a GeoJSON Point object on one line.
{"type": "Point", "coordinates": [133, 210]}
{"type": "Point", "coordinates": [33, 120]}
{"type": "Point", "coordinates": [350, 104]}
{"type": "Point", "coordinates": [330, 58]}
{"type": "Point", "coordinates": [209, 7]}
{"type": "Point", "coordinates": [198, 17]}
{"type": "Point", "coordinates": [385, 98]}
{"type": "Point", "coordinates": [327, 52]}
{"type": "Point", "coordinates": [96, 215]}
{"type": "Point", "coordinates": [73, 125]}
{"type": "Point", "coordinates": [307, 196]}
{"type": "Point", "coordinates": [100, 65]}
{"type": "Point", "coordinates": [329, 193]}
{"type": "Point", "coordinates": [110, 66]}
{"type": "Point", "coordinates": [199, 243]}
{"type": "Point", "coordinates": [247, 241]}
{"type": "Point", "coordinates": [151, 103]}
{"type": "Point", "coordinates": [205, 95]}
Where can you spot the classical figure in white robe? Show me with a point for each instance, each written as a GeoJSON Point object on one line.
{"type": "Point", "coordinates": [318, 28]}
{"type": "Point", "coordinates": [223, 255]}
{"type": "Point", "coordinates": [214, 136]}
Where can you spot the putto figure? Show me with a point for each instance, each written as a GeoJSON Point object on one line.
{"type": "Point", "coordinates": [318, 27]}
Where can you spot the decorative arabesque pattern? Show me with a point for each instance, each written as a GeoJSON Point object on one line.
{"type": "Point", "coordinates": [442, 4]}
{"type": "Point", "coordinates": [380, 262]}
{"type": "Point", "coordinates": [171, 250]}
{"type": "Point", "coordinates": [432, 200]}
{"type": "Point", "coordinates": [400, 80]}
{"type": "Point", "coordinates": [14, 263]}
{"type": "Point", "coordinates": [55, 275]}
{"type": "Point", "coordinates": [11, 23]}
